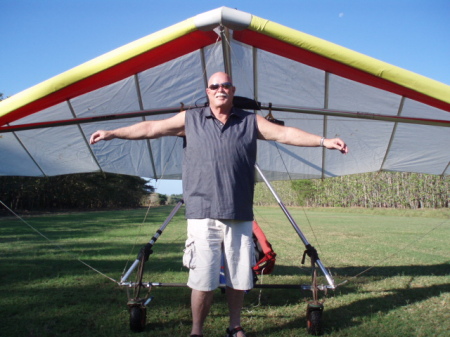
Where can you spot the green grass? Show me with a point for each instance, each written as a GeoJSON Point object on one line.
{"type": "Point", "coordinates": [46, 291]}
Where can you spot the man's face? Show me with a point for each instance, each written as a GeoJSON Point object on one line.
{"type": "Point", "coordinates": [220, 91]}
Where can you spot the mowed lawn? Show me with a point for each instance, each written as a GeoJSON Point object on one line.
{"type": "Point", "coordinates": [392, 267]}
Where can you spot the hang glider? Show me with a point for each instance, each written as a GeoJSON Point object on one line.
{"type": "Point", "coordinates": [392, 119]}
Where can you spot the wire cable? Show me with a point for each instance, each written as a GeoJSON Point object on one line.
{"type": "Point", "coordinates": [380, 263]}
{"type": "Point", "coordinates": [55, 244]}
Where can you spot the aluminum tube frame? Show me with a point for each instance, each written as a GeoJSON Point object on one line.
{"type": "Point", "coordinates": [153, 239]}
{"type": "Point", "coordinates": [184, 285]}
{"type": "Point", "coordinates": [296, 227]}
{"type": "Point", "coordinates": [358, 115]}
{"type": "Point", "coordinates": [269, 106]}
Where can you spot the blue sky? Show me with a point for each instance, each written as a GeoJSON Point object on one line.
{"type": "Point", "coordinates": [43, 38]}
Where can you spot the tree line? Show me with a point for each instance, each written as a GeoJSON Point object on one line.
{"type": "Point", "coordinates": [369, 190]}
{"type": "Point", "coordinates": [158, 199]}
{"type": "Point", "coordinates": [105, 190]}
{"type": "Point", "coordinates": [75, 191]}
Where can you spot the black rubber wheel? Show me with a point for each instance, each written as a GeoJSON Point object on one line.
{"type": "Point", "coordinates": [315, 323]}
{"type": "Point", "coordinates": [138, 317]}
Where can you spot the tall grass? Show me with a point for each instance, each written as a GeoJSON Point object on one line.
{"type": "Point", "coordinates": [46, 291]}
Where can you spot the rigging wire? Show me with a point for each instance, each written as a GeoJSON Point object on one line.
{"type": "Point", "coordinates": [165, 167]}
{"type": "Point", "coordinates": [136, 239]}
{"type": "Point", "coordinates": [352, 278]}
{"type": "Point", "coordinates": [252, 89]}
{"type": "Point", "coordinates": [140, 227]}
{"type": "Point", "coordinates": [237, 59]}
{"type": "Point", "coordinates": [195, 105]}
{"type": "Point", "coordinates": [303, 209]}
{"type": "Point", "coordinates": [176, 141]}
{"type": "Point", "coordinates": [273, 142]}
{"type": "Point", "coordinates": [55, 244]}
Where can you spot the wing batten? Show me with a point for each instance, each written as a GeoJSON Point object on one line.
{"type": "Point", "coordinates": [367, 70]}
{"type": "Point", "coordinates": [29, 155]}
{"type": "Point", "coordinates": [141, 107]}
{"type": "Point", "coordinates": [445, 170]}
{"type": "Point", "coordinates": [83, 136]}
{"type": "Point", "coordinates": [391, 140]}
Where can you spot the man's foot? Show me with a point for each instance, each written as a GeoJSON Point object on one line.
{"type": "Point", "coordinates": [236, 332]}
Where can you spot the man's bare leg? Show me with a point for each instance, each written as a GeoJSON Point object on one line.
{"type": "Point", "coordinates": [235, 299]}
{"type": "Point", "coordinates": [200, 304]}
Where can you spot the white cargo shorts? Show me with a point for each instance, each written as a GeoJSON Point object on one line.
{"type": "Point", "coordinates": [211, 242]}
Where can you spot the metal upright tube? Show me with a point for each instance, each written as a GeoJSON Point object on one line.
{"type": "Point", "coordinates": [168, 219]}
{"type": "Point", "coordinates": [294, 224]}
{"type": "Point", "coordinates": [153, 239]}
{"type": "Point", "coordinates": [283, 207]}
{"type": "Point", "coordinates": [128, 273]}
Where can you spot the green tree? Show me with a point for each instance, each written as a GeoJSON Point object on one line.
{"type": "Point", "coordinates": [304, 190]}
{"type": "Point", "coordinates": [81, 191]}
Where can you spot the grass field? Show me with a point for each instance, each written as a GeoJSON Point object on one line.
{"type": "Point", "coordinates": [46, 291]}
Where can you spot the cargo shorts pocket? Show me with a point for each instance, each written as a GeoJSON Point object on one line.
{"type": "Point", "coordinates": [189, 257]}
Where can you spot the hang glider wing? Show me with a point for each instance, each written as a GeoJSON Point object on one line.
{"type": "Point", "coordinates": [392, 119]}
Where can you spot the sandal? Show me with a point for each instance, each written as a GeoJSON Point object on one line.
{"type": "Point", "coordinates": [234, 332]}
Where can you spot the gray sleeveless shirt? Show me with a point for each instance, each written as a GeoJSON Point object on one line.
{"type": "Point", "coordinates": [218, 165]}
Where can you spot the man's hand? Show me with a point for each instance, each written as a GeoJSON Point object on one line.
{"type": "Point", "coordinates": [101, 135]}
{"type": "Point", "coordinates": [336, 144]}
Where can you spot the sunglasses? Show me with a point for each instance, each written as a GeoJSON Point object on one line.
{"type": "Point", "coordinates": [215, 86]}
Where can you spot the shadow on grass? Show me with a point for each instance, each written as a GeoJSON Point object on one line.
{"type": "Point", "coordinates": [60, 297]}
{"type": "Point", "coordinates": [342, 318]}
{"type": "Point", "coordinates": [372, 271]}
{"type": "Point", "coordinates": [91, 308]}
{"type": "Point", "coordinates": [36, 266]}
{"type": "Point", "coordinates": [46, 292]}
{"type": "Point", "coordinates": [82, 225]}
{"type": "Point", "coordinates": [351, 315]}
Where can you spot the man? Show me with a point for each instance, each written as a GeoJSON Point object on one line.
{"type": "Point", "coordinates": [218, 183]}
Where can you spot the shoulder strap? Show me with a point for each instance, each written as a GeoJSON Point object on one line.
{"type": "Point", "coordinates": [265, 245]}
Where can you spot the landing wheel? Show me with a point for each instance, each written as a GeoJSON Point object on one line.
{"type": "Point", "coordinates": [138, 315]}
{"type": "Point", "coordinates": [314, 322]}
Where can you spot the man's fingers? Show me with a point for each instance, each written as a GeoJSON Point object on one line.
{"type": "Point", "coordinates": [340, 145]}
{"type": "Point", "coordinates": [96, 136]}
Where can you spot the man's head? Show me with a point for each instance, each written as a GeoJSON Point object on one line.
{"type": "Point", "coordinates": [220, 91]}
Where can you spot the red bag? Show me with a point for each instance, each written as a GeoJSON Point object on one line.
{"type": "Point", "coordinates": [265, 256]}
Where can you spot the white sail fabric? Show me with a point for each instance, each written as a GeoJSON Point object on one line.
{"type": "Point", "coordinates": [337, 99]}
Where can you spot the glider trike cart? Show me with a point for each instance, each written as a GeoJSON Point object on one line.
{"type": "Point", "coordinates": [137, 304]}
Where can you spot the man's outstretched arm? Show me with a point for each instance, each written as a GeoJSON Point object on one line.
{"type": "Point", "coordinates": [297, 137]}
{"type": "Point", "coordinates": [173, 126]}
